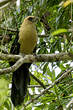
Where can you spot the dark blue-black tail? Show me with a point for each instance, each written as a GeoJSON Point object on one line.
{"type": "Point", "coordinates": [20, 80]}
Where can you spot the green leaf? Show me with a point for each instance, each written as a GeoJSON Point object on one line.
{"type": "Point", "coordinates": [59, 31]}
{"type": "Point", "coordinates": [45, 68]}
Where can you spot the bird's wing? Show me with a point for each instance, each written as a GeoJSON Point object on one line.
{"type": "Point", "coordinates": [15, 46]}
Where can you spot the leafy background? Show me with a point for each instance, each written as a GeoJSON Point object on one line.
{"type": "Point", "coordinates": [55, 21]}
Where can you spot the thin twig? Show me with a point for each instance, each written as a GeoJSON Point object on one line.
{"type": "Point", "coordinates": [38, 81]}
{"type": "Point", "coordinates": [38, 86]}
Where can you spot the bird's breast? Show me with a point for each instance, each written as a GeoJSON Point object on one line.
{"type": "Point", "coordinates": [27, 38]}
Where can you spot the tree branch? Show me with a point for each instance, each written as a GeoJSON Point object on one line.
{"type": "Point", "coordinates": [33, 58]}
{"type": "Point", "coordinates": [9, 57]}
{"type": "Point", "coordinates": [12, 68]}
{"type": "Point", "coordinates": [45, 90]}
{"type": "Point", "coordinates": [39, 58]}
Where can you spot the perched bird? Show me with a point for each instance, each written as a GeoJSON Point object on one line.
{"type": "Point", "coordinates": [25, 43]}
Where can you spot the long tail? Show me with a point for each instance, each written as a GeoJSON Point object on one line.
{"type": "Point", "coordinates": [20, 80]}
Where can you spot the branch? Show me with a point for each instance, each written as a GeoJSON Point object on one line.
{"type": "Point", "coordinates": [9, 57]}
{"type": "Point", "coordinates": [38, 86]}
{"type": "Point", "coordinates": [12, 68]}
{"type": "Point", "coordinates": [3, 6]}
{"type": "Point", "coordinates": [38, 81]}
{"type": "Point", "coordinates": [32, 58]}
{"type": "Point", "coordinates": [4, 3]}
{"type": "Point", "coordinates": [43, 36]}
{"type": "Point", "coordinates": [45, 90]}
{"type": "Point", "coordinates": [39, 58]}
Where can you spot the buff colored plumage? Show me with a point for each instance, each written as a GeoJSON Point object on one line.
{"type": "Point", "coordinates": [27, 36]}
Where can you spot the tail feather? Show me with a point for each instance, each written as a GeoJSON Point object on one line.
{"type": "Point", "coordinates": [20, 80]}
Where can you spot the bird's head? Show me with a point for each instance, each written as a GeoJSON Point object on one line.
{"type": "Point", "coordinates": [31, 19]}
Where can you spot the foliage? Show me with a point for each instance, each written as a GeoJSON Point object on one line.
{"type": "Point", "coordinates": [54, 21]}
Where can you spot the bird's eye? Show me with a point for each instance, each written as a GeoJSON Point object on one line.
{"type": "Point", "coordinates": [30, 19]}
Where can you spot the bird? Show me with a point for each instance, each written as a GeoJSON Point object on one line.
{"type": "Point", "coordinates": [24, 43]}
